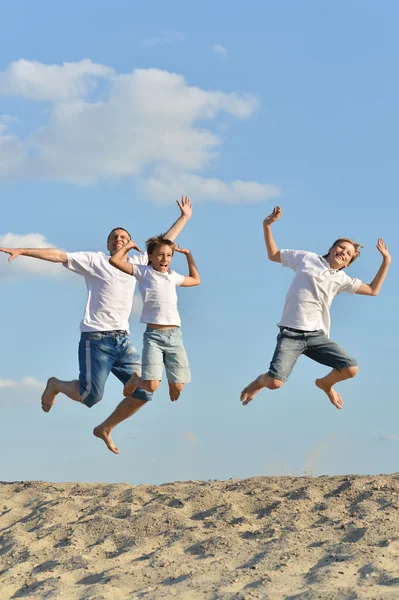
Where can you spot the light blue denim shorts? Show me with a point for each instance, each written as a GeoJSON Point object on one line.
{"type": "Point", "coordinates": [291, 343]}
{"type": "Point", "coordinates": [164, 347]}
{"type": "Point", "coordinates": [102, 353]}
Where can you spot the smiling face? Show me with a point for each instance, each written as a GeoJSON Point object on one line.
{"type": "Point", "coordinates": [117, 239]}
{"type": "Point", "coordinates": [341, 254]}
{"type": "Point", "coordinates": [161, 258]}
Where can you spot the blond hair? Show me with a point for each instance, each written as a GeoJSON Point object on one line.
{"type": "Point", "coordinates": [354, 244]}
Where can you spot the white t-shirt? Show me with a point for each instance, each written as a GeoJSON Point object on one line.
{"type": "Point", "coordinates": [158, 291]}
{"type": "Point", "coordinates": [314, 287]}
{"type": "Point", "coordinates": [110, 291]}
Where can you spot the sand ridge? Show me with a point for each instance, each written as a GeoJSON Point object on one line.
{"type": "Point", "coordinates": [264, 537]}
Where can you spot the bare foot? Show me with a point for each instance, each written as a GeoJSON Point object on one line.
{"type": "Point", "coordinates": [252, 389]}
{"type": "Point", "coordinates": [105, 434]}
{"type": "Point", "coordinates": [49, 394]}
{"type": "Point", "coordinates": [333, 396]}
{"type": "Point", "coordinates": [131, 385]}
{"type": "Point", "coordinates": [174, 393]}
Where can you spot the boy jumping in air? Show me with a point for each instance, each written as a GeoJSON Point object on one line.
{"type": "Point", "coordinates": [162, 343]}
{"type": "Point", "coordinates": [305, 324]}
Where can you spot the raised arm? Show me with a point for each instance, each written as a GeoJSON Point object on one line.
{"type": "Point", "coordinates": [272, 251]}
{"type": "Point", "coordinates": [193, 275]}
{"type": "Point", "coordinates": [374, 287]}
{"type": "Point", "coordinates": [119, 259]}
{"type": "Point", "coordinates": [50, 254]}
{"type": "Point", "coordinates": [186, 211]}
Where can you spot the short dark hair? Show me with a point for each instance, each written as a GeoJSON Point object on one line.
{"type": "Point", "coordinates": [158, 240]}
{"type": "Point", "coordinates": [116, 229]}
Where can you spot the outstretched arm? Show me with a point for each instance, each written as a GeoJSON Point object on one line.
{"type": "Point", "coordinates": [374, 287]}
{"type": "Point", "coordinates": [50, 254]}
{"type": "Point", "coordinates": [186, 211]}
{"type": "Point", "coordinates": [272, 251]}
{"type": "Point", "coordinates": [193, 275]}
{"type": "Point", "coordinates": [119, 261]}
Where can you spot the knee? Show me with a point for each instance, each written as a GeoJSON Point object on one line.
{"type": "Point", "coordinates": [150, 386]}
{"type": "Point", "coordinates": [352, 371]}
{"type": "Point", "coordinates": [176, 386]}
{"type": "Point", "coordinates": [274, 384]}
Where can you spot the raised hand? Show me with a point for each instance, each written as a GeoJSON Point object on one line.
{"type": "Point", "coordinates": [13, 252]}
{"type": "Point", "coordinates": [185, 207]}
{"type": "Point", "coordinates": [274, 216]}
{"type": "Point", "coordinates": [182, 250]}
{"type": "Point", "coordinates": [381, 247]}
{"type": "Point", "coordinates": [132, 246]}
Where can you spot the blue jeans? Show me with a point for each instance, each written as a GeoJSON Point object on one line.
{"type": "Point", "coordinates": [102, 353]}
{"type": "Point", "coordinates": [165, 347]}
{"type": "Point", "coordinates": [316, 345]}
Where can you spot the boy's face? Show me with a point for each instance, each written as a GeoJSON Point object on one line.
{"type": "Point", "coordinates": [341, 255]}
{"type": "Point", "coordinates": [161, 258]}
{"type": "Point", "coordinates": [117, 240]}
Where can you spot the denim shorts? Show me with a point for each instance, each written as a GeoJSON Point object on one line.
{"type": "Point", "coordinates": [314, 344]}
{"type": "Point", "coordinates": [164, 347]}
{"type": "Point", "coordinates": [102, 353]}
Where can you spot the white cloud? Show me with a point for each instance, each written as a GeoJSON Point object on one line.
{"type": "Point", "coordinates": [149, 122]}
{"type": "Point", "coordinates": [389, 438]}
{"type": "Point", "coordinates": [163, 186]}
{"type": "Point", "coordinates": [24, 264]}
{"type": "Point", "coordinates": [221, 50]}
{"type": "Point", "coordinates": [38, 81]}
{"type": "Point", "coordinates": [26, 382]}
{"type": "Point", "coordinates": [167, 36]}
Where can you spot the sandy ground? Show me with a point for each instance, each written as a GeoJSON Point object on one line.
{"type": "Point", "coordinates": [265, 537]}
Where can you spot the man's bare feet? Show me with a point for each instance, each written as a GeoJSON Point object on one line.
{"type": "Point", "coordinates": [49, 394]}
{"type": "Point", "coordinates": [104, 434]}
{"type": "Point", "coordinates": [252, 389]}
{"type": "Point", "coordinates": [333, 396]}
{"type": "Point", "coordinates": [131, 385]}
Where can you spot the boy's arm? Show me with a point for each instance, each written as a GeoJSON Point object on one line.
{"type": "Point", "coordinates": [50, 254]}
{"type": "Point", "coordinates": [272, 251]}
{"type": "Point", "coordinates": [186, 211]}
{"type": "Point", "coordinates": [193, 275]}
{"type": "Point", "coordinates": [374, 287]}
{"type": "Point", "coordinates": [119, 261]}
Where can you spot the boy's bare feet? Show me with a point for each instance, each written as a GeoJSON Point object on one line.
{"type": "Point", "coordinates": [131, 385]}
{"type": "Point", "coordinates": [333, 396]}
{"type": "Point", "coordinates": [49, 394]}
{"type": "Point", "coordinates": [252, 389]}
{"type": "Point", "coordinates": [104, 434]}
{"type": "Point", "coordinates": [175, 390]}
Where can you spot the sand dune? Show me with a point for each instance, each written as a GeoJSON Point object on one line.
{"type": "Point", "coordinates": [265, 537]}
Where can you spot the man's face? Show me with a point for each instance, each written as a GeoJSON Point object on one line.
{"type": "Point", "coordinates": [161, 258]}
{"type": "Point", "coordinates": [117, 240]}
{"type": "Point", "coordinates": [341, 255]}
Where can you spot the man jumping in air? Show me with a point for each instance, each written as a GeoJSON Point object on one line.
{"type": "Point", "coordinates": [105, 345]}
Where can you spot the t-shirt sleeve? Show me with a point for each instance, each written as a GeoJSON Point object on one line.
{"type": "Point", "coordinates": [79, 262]}
{"type": "Point", "coordinates": [292, 258]}
{"type": "Point", "coordinates": [138, 271]}
{"type": "Point", "coordinates": [349, 284]}
{"type": "Point", "coordinates": [139, 259]}
{"type": "Point", "coordinates": [177, 278]}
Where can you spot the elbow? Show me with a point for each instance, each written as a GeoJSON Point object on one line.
{"type": "Point", "coordinates": [272, 257]}
{"type": "Point", "coordinates": [112, 261]}
{"type": "Point", "coordinates": [198, 281]}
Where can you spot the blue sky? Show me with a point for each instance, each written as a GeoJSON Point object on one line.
{"type": "Point", "coordinates": [110, 113]}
